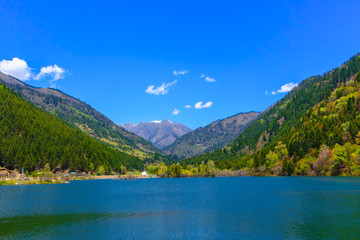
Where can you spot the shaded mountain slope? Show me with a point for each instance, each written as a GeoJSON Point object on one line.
{"type": "Point", "coordinates": [213, 136]}
{"type": "Point", "coordinates": [82, 116]}
{"type": "Point", "coordinates": [31, 138]}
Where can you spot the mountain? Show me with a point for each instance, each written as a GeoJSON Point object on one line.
{"type": "Point", "coordinates": [326, 139]}
{"type": "Point", "coordinates": [31, 138]}
{"type": "Point", "coordinates": [251, 147]}
{"type": "Point", "coordinates": [81, 116]}
{"type": "Point", "coordinates": [160, 133]}
{"type": "Point", "coordinates": [213, 136]}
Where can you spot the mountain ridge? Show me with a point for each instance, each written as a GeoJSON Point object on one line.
{"type": "Point", "coordinates": [280, 118]}
{"type": "Point", "coordinates": [82, 116]}
{"type": "Point", "coordinates": [30, 138]}
{"type": "Point", "coordinates": [160, 133]}
{"type": "Point", "coordinates": [215, 135]}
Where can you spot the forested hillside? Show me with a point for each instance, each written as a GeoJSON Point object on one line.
{"type": "Point", "coordinates": [325, 141]}
{"type": "Point", "coordinates": [30, 138]}
{"type": "Point", "coordinates": [216, 135]}
{"type": "Point", "coordinates": [82, 116]}
{"type": "Point", "coordinates": [280, 118]}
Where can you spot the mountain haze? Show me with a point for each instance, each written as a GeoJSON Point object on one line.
{"type": "Point", "coordinates": [160, 133]}
{"type": "Point", "coordinates": [81, 116]}
{"type": "Point", "coordinates": [213, 136]}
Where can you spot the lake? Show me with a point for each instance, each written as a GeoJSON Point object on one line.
{"type": "Point", "coordinates": [187, 208]}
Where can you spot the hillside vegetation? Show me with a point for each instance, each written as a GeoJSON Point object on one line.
{"type": "Point", "coordinates": [325, 141]}
{"type": "Point", "coordinates": [82, 116]}
{"type": "Point", "coordinates": [252, 147]}
{"type": "Point", "coordinates": [31, 138]}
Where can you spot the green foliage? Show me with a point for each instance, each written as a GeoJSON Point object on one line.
{"type": "Point", "coordinates": [31, 138]}
{"type": "Point", "coordinates": [340, 160]}
{"type": "Point", "coordinates": [34, 174]}
{"type": "Point", "coordinates": [177, 170]}
{"type": "Point", "coordinates": [91, 167]}
{"type": "Point", "coordinates": [82, 116]}
{"type": "Point", "coordinates": [319, 131]}
{"type": "Point", "coordinates": [271, 160]}
{"type": "Point", "coordinates": [304, 165]}
{"type": "Point", "coordinates": [357, 78]}
{"type": "Point", "coordinates": [47, 167]}
{"type": "Point", "coordinates": [321, 111]}
{"type": "Point", "coordinates": [101, 170]}
{"type": "Point", "coordinates": [281, 150]}
{"type": "Point", "coordinates": [123, 169]}
{"type": "Point", "coordinates": [288, 167]}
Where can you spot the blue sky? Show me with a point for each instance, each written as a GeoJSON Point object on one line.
{"type": "Point", "coordinates": [110, 53]}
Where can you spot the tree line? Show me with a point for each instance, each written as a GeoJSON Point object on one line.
{"type": "Point", "coordinates": [31, 138]}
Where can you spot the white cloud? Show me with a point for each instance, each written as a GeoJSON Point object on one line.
{"type": "Point", "coordinates": [176, 112]}
{"type": "Point", "coordinates": [200, 105]}
{"type": "Point", "coordinates": [161, 90]}
{"type": "Point", "coordinates": [284, 88]}
{"type": "Point", "coordinates": [287, 87]}
{"type": "Point", "coordinates": [181, 72]}
{"type": "Point", "coordinates": [156, 121]}
{"type": "Point", "coordinates": [187, 106]}
{"type": "Point", "coordinates": [17, 68]}
{"type": "Point", "coordinates": [55, 72]}
{"type": "Point", "coordinates": [209, 79]}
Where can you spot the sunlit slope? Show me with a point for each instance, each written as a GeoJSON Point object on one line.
{"type": "Point", "coordinates": [283, 115]}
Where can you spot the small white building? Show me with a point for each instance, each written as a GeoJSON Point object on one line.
{"type": "Point", "coordinates": [143, 174]}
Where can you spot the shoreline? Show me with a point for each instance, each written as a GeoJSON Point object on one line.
{"type": "Point", "coordinates": [36, 181]}
{"type": "Point", "coordinates": [9, 182]}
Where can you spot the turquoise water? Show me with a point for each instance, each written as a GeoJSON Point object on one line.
{"type": "Point", "coordinates": [192, 208]}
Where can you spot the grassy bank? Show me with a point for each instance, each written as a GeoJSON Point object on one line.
{"type": "Point", "coordinates": [30, 182]}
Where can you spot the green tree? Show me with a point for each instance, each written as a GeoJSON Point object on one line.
{"type": "Point", "coordinates": [123, 169]}
{"type": "Point", "coordinates": [34, 174]}
{"type": "Point", "coordinates": [47, 167]}
{"type": "Point", "coordinates": [211, 164]}
{"type": "Point", "coordinates": [271, 160]}
{"type": "Point", "coordinates": [92, 167]}
{"type": "Point", "coordinates": [340, 158]}
{"type": "Point", "coordinates": [281, 150]}
{"type": "Point", "coordinates": [101, 170]}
